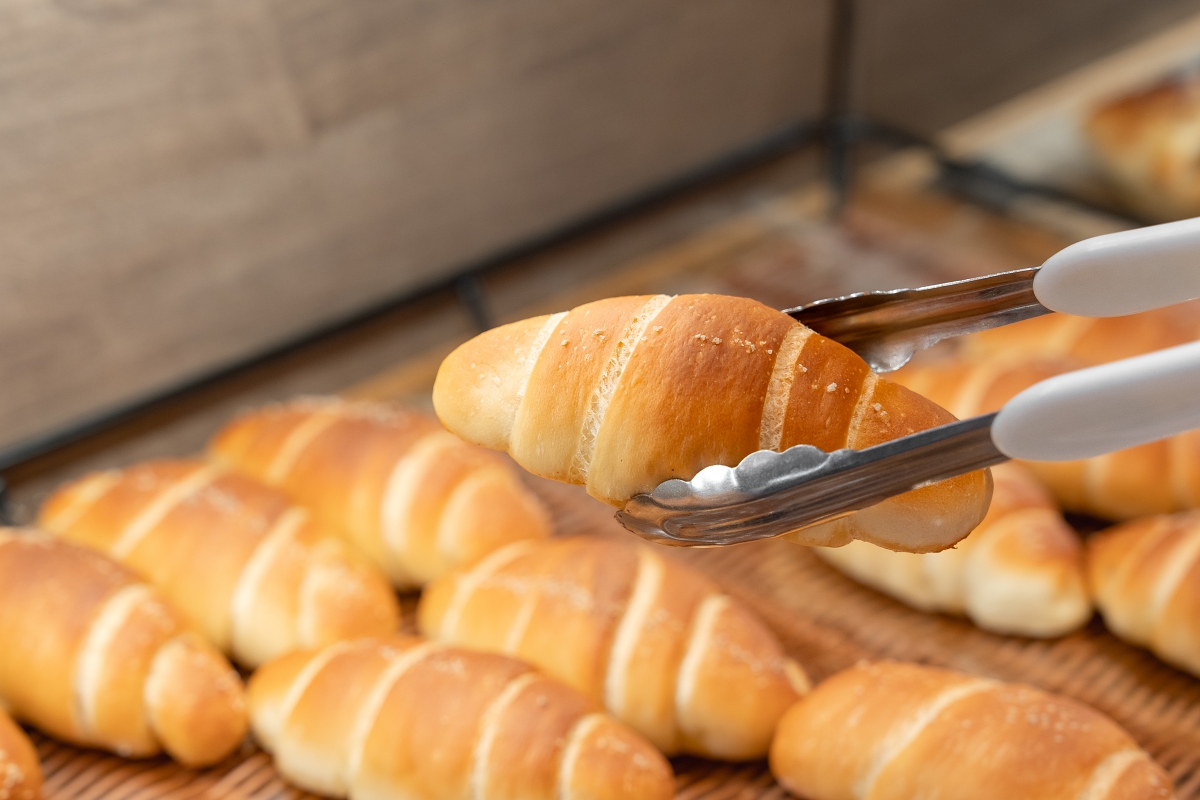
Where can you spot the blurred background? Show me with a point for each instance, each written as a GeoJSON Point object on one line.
{"type": "Point", "coordinates": [205, 204]}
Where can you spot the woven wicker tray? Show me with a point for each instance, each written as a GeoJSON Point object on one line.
{"type": "Point", "coordinates": [826, 622]}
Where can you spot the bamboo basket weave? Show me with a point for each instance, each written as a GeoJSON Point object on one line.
{"type": "Point", "coordinates": [825, 621]}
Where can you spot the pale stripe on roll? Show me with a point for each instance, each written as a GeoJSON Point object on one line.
{"type": "Point", "coordinates": [364, 721]}
{"type": "Point", "coordinates": [1107, 772]}
{"type": "Point", "coordinates": [93, 654]}
{"type": "Point", "coordinates": [904, 734]}
{"type": "Point", "coordinates": [646, 586]}
{"type": "Point", "coordinates": [489, 727]}
{"type": "Point", "coordinates": [575, 742]}
{"type": "Point", "coordinates": [298, 439]}
{"type": "Point", "coordinates": [610, 378]}
{"type": "Point", "coordinates": [158, 509]}
{"type": "Point", "coordinates": [779, 388]}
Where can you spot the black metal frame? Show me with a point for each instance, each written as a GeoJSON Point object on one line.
{"type": "Point", "coordinates": [840, 130]}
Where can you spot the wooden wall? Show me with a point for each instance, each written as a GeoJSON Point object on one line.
{"type": "Point", "coordinates": [183, 182]}
{"type": "Point", "coordinates": [925, 64]}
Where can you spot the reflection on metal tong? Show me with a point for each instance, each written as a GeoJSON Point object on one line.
{"type": "Point", "coordinates": [770, 494]}
{"type": "Point", "coordinates": [886, 328]}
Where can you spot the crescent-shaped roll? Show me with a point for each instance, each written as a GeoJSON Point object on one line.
{"type": "Point", "coordinates": [397, 717]}
{"type": "Point", "coordinates": [1147, 143]}
{"type": "Point", "coordinates": [668, 654]}
{"type": "Point", "coordinates": [416, 499]}
{"type": "Point", "coordinates": [890, 731]}
{"type": "Point", "coordinates": [1020, 572]}
{"type": "Point", "coordinates": [1155, 478]}
{"type": "Point", "coordinates": [621, 394]}
{"type": "Point", "coordinates": [1085, 341]}
{"type": "Point", "coordinates": [20, 773]}
{"type": "Point", "coordinates": [253, 572]}
{"type": "Point", "coordinates": [1145, 576]}
{"type": "Point", "coordinates": [93, 656]}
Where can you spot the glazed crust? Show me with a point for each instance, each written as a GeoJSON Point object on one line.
{"type": "Point", "coordinates": [1155, 478]}
{"type": "Point", "coordinates": [397, 716]}
{"type": "Point", "coordinates": [1145, 576]}
{"type": "Point", "coordinates": [92, 656]}
{"type": "Point", "coordinates": [20, 773]}
{"type": "Point", "coordinates": [415, 499]}
{"type": "Point", "coordinates": [888, 730]}
{"type": "Point", "coordinates": [257, 575]}
{"type": "Point", "coordinates": [1147, 142]}
{"type": "Point", "coordinates": [622, 394]}
{"type": "Point", "coordinates": [1020, 572]}
{"type": "Point", "coordinates": [665, 652]}
{"type": "Point", "coordinates": [1086, 340]}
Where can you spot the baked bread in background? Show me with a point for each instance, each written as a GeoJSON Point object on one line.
{"type": "Point", "coordinates": [1020, 572]}
{"type": "Point", "coordinates": [1085, 341]}
{"type": "Point", "coordinates": [415, 499]}
{"type": "Point", "coordinates": [253, 572]}
{"type": "Point", "coordinates": [889, 731]}
{"type": "Point", "coordinates": [20, 773]}
{"type": "Point", "coordinates": [993, 366]}
{"type": "Point", "coordinates": [1148, 142]}
{"type": "Point", "coordinates": [1155, 478]}
{"type": "Point", "coordinates": [621, 394]}
{"type": "Point", "coordinates": [655, 642]}
{"type": "Point", "coordinates": [399, 717]}
{"type": "Point", "coordinates": [1145, 576]}
{"type": "Point", "coordinates": [93, 656]}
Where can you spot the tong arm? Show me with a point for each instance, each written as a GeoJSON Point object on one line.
{"type": "Point", "coordinates": [886, 328]}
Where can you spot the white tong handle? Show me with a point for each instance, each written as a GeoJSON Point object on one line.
{"type": "Point", "coordinates": [1103, 409]}
{"type": "Point", "coordinates": [1125, 403]}
{"type": "Point", "coordinates": [1123, 273]}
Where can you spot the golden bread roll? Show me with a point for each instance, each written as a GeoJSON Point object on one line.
{"type": "Point", "coordinates": [256, 574]}
{"type": "Point", "coordinates": [93, 656]}
{"type": "Point", "coordinates": [1145, 577]}
{"type": "Point", "coordinates": [398, 717]}
{"type": "Point", "coordinates": [890, 731]}
{"type": "Point", "coordinates": [1020, 572]}
{"type": "Point", "coordinates": [665, 652]}
{"type": "Point", "coordinates": [1154, 478]}
{"type": "Point", "coordinates": [20, 773]}
{"type": "Point", "coordinates": [416, 499]}
{"type": "Point", "coordinates": [1148, 141]}
{"type": "Point", "coordinates": [1085, 341]}
{"type": "Point", "coordinates": [995, 365]}
{"type": "Point", "coordinates": [622, 394]}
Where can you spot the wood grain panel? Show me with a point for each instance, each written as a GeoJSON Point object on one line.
{"type": "Point", "coordinates": [183, 182]}
{"type": "Point", "coordinates": [925, 64]}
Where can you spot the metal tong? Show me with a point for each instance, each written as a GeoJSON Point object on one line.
{"type": "Point", "coordinates": [1071, 416]}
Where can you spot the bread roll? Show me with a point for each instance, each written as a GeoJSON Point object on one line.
{"type": "Point", "coordinates": [1145, 576]}
{"type": "Point", "coordinates": [665, 652]}
{"type": "Point", "coordinates": [1155, 478]}
{"type": "Point", "coordinates": [398, 717]}
{"type": "Point", "coordinates": [20, 773]}
{"type": "Point", "coordinates": [1020, 572]}
{"type": "Point", "coordinates": [416, 499]}
{"type": "Point", "coordinates": [1148, 141]}
{"type": "Point", "coordinates": [256, 574]}
{"type": "Point", "coordinates": [889, 731]}
{"type": "Point", "coordinates": [622, 394]}
{"type": "Point", "coordinates": [93, 656]}
{"type": "Point", "coordinates": [1085, 341]}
